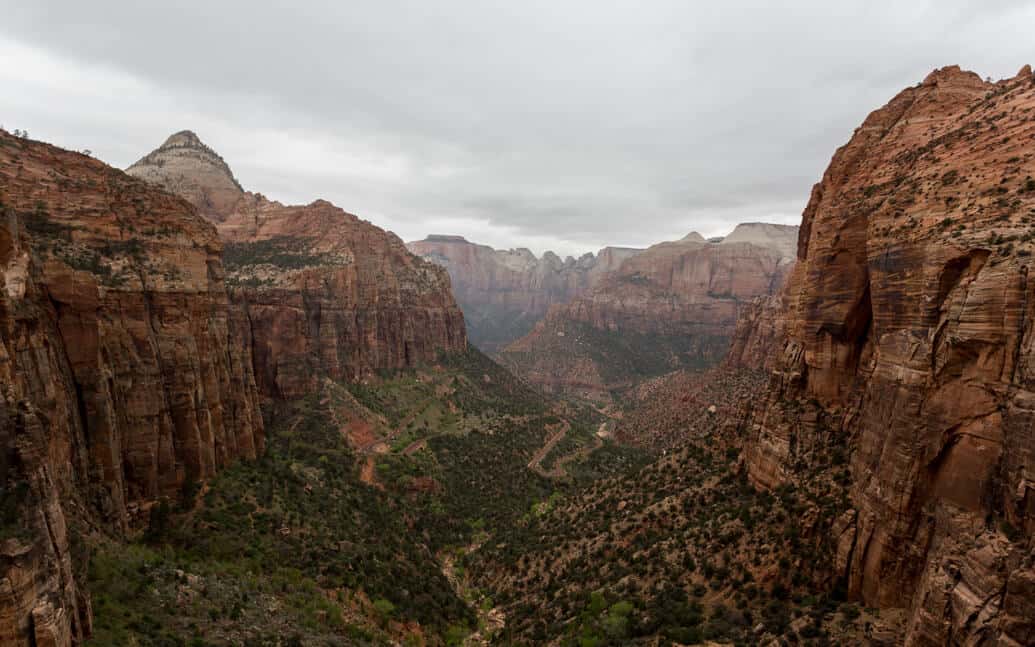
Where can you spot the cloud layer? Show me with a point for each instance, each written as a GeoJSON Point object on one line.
{"type": "Point", "coordinates": [552, 125]}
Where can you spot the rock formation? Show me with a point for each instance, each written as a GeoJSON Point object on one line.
{"type": "Point", "coordinates": [908, 331]}
{"type": "Point", "coordinates": [672, 306]}
{"type": "Point", "coordinates": [323, 292]}
{"type": "Point", "coordinates": [190, 169]}
{"type": "Point", "coordinates": [125, 375]}
{"type": "Point", "coordinates": [503, 293]}
{"type": "Point", "coordinates": [759, 333]}
{"type": "Point", "coordinates": [129, 370]}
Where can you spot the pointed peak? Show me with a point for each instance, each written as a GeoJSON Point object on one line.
{"type": "Point", "coordinates": [183, 138]}
{"type": "Point", "coordinates": [184, 165]}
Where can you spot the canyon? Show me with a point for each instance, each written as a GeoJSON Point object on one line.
{"type": "Point", "coordinates": [139, 340]}
{"type": "Point", "coordinates": [882, 397]}
{"type": "Point", "coordinates": [674, 305]}
{"type": "Point", "coordinates": [503, 293]}
{"type": "Point", "coordinates": [790, 434]}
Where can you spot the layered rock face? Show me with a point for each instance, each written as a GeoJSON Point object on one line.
{"type": "Point", "coordinates": [124, 374]}
{"type": "Point", "coordinates": [503, 293]}
{"type": "Point", "coordinates": [188, 168]}
{"type": "Point", "coordinates": [759, 334]}
{"type": "Point", "coordinates": [673, 305]}
{"type": "Point", "coordinates": [908, 332]}
{"type": "Point", "coordinates": [321, 292]}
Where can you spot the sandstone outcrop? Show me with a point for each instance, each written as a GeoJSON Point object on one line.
{"type": "Point", "coordinates": [124, 374]}
{"type": "Point", "coordinates": [759, 333]}
{"type": "Point", "coordinates": [323, 293]}
{"type": "Point", "coordinates": [503, 293]}
{"type": "Point", "coordinates": [908, 333]}
{"type": "Point", "coordinates": [671, 306]}
{"type": "Point", "coordinates": [190, 169]}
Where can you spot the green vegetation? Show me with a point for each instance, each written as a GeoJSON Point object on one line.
{"type": "Point", "coordinates": [49, 236]}
{"type": "Point", "coordinates": [676, 551]}
{"type": "Point", "coordinates": [296, 544]}
{"type": "Point", "coordinates": [622, 358]}
{"type": "Point", "coordinates": [282, 252]}
{"type": "Point", "coordinates": [295, 531]}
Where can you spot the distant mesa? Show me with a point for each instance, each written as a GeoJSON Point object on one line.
{"type": "Point", "coordinates": [444, 238]}
{"type": "Point", "coordinates": [504, 292]}
{"type": "Point", "coordinates": [783, 238]}
{"type": "Point", "coordinates": [673, 305]}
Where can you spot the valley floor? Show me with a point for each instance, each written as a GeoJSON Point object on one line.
{"type": "Point", "coordinates": [453, 505]}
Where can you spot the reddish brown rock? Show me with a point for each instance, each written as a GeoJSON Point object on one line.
{"type": "Point", "coordinates": [124, 374]}
{"type": "Point", "coordinates": [674, 305]}
{"type": "Point", "coordinates": [323, 293]}
{"type": "Point", "coordinates": [909, 323]}
{"type": "Point", "coordinates": [503, 293]}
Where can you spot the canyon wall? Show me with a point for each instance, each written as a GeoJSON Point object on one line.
{"type": "Point", "coordinates": [906, 332]}
{"type": "Point", "coordinates": [503, 293]}
{"type": "Point", "coordinates": [136, 339]}
{"type": "Point", "coordinates": [125, 376]}
{"type": "Point", "coordinates": [674, 305]}
{"type": "Point", "coordinates": [323, 292]}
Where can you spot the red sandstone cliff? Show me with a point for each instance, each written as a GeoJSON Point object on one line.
{"type": "Point", "coordinates": [503, 293]}
{"type": "Point", "coordinates": [124, 374]}
{"type": "Point", "coordinates": [323, 292]}
{"type": "Point", "coordinates": [908, 330]}
{"type": "Point", "coordinates": [671, 306]}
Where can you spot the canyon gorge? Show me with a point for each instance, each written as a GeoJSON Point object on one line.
{"type": "Point", "coordinates": [228, 420]}
{"type": "Point", "coordinates": [672, 306]}
{"type": "Point", "coordinates": [139, 341]}
{"type": "Point", "coordinates": [503, 293]}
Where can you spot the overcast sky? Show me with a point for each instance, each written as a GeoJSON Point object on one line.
{"type": "Point", "coordinates": [562, 124]}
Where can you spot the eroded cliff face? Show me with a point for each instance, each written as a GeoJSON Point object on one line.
{"type": "Point", "coordinates": [672, 306]}
{"type": "Point", "coordinates": [759, 333]}
{"type": "Point", "coordinates": [322, 292]}
{"type": "Point", "coordinates": [908, 332]}
{"type": "Point", "coordinates": [503, 293]}
{"type": "Point", "coordinates": [124, 374]}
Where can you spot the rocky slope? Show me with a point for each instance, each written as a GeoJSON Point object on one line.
{"type": "Point", "coordinates": [503, 293]}
{"type": "Point", "coordinates": [323, 292]}
{"type": "Point", "coordinates": [125, 376]}
{"type": "Point", "coordinates": [908, 332]}
{"type": "Point", "coordinates": [671, 306]}
{"type": "Point", "coordinates": [187, 167]}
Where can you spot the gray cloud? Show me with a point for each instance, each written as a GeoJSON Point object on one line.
{"type": "Point", "coordinates": [545, 124]}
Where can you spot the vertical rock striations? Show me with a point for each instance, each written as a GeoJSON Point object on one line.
{"type": "Point", "coordinates": [909, 334]}
{"type": "Point", "coordinates": [322, 292]}
{"type": "Point", "coordinates": [503, 293]}
{"type": "Point", "coordinates": [125, 376]}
